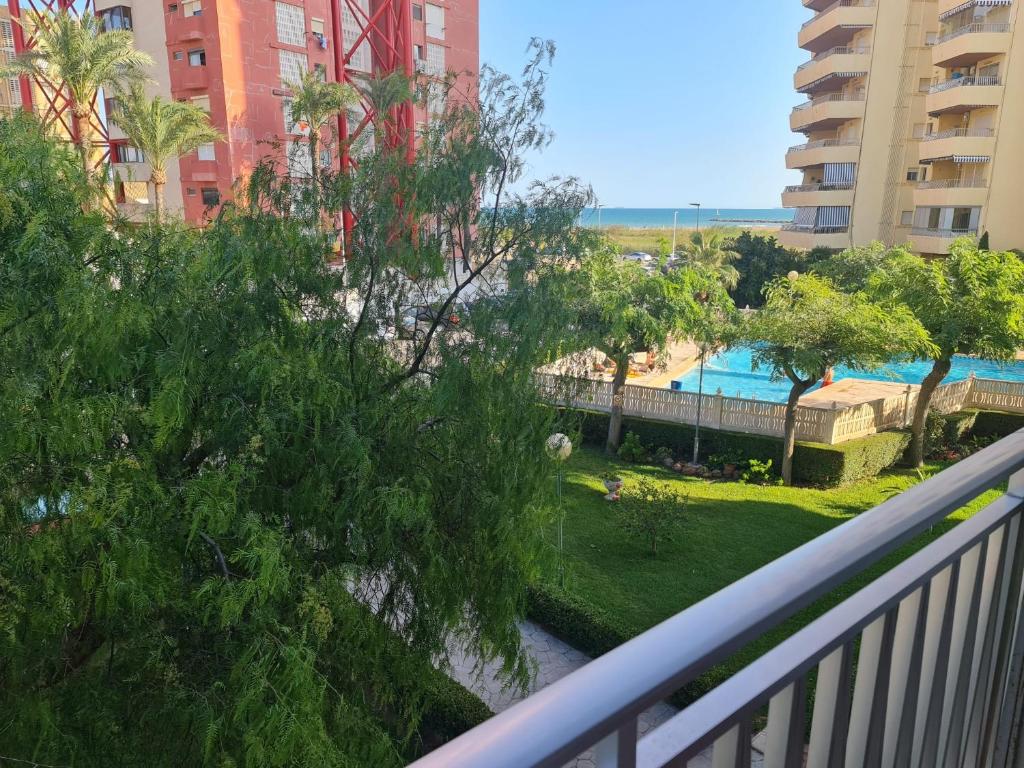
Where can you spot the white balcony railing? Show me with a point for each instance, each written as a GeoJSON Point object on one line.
{"type": "Point", "coordinates": [970, 29]}
{"type": "Point", "coordinates": [818, 144]}
{"type": "Point", "coordinates": [953, 133]}
{"type": "Point", "coordinates": [840, 50]}
{"type": "Point", "coordinates": [946, 234]}
{"type": "Point", "coordinates": [829, 98]}
{"type": "Point", "coordinates": [821, 187]}
{"type": "Point", "coordinates": [816, 229]}
{"type": "Point", "coordinates": [838, 4]}
{"type": "Point", "coordinates": [960, 82]}
{"type": "Point", "coordinates": [953, 184]}
{"type": "Point", "coordinates": [922, 667]}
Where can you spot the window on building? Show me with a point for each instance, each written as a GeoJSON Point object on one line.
{"type": "Point", "coordinates": [197, 58]}
{"type": "Point", "coordinates": [292, 65]}
{"type": "Point", "coordinates": [934, 217]}
{"type": "Point", "coordinates": [190, 191]}
{"type": "Point", "coordinates": [906, 218]}
{"type": "Point", "coordinates": [179, 55]}
{"type": "Point", "coordinates": [211, 195]}
{"type": "Point", "coordinates": [316, 26]}
{"type": "Point", "coordinates": [920, 130]}
{"type": "Point", "coordinates": [291, 24]}
{"type": "Point", "coordinates": [915, 174]}
{"type": "Point", "coordinates": [172, 8]}
{"type": "Point", "coordinates": [117, 17]}
{"type": "Point", "coordinates": [419, 52]}
{"type": "Point", "coordinates": [206, 152]}
{"type": "Point", "coordinates": [201, 102]}
{"type": "Point", "coordinates": [961, 219]}
{"type": "Point", "coordinates": [931, 38]}
{"type": "Point", "coordinates": [321, 72]}
{"type": "Point", "coordinates": [417, 12]}
{"type": "Point", "coordinates": [111, 105]}
{"type": "Point", "coordinates": [924, 84]}
{"type": "Point", "coordinates": [435, 60]}
{"type": "Point", "coordinates": [192, 8]}
{"type": "Point", "coordinates": [126, 153]}
{"type": "Point", "coordinates": [325, 158]}
{"type": "Point", "coordinates": [435, 21]}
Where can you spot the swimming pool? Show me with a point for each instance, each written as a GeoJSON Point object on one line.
{"type": "Point", "coordinates": [732, 371]}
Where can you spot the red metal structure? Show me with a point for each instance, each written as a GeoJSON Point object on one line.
{"type": "Point", "coordinates": [386, 27]}
{"type": "Point", "coordinates": [51, 102]}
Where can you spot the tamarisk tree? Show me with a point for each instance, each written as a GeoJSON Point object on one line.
{"type": "Point", "coordinates": [244, 503]}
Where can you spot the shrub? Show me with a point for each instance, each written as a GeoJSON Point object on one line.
{"type": "Point", "coordinates": [813, 464]}
{"type": "Point", "coordinates": [652, 512]}
{"type": "Point", "coordinates": [935, 434]}
{"type": "Point", "coordinates": [997, 424]}
{"type": "Point", "coordinates": [959, 426]}
{"type": "Point", "coordinates": [449, 710]}
{"type": "Point", "coordinates": [632, 450]}
{"type": "Point", "coordinates": [758, 472]}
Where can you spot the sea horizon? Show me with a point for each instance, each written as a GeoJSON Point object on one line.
{"type": "Point", "coordinates": [650, 218]}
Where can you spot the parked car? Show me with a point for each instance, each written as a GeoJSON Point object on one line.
{"type": "Point", "coordinates": [639, 256]}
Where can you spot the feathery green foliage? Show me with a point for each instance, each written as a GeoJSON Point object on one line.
{"type": "Point", "coordinates": [240, 505]}
{"type": "Point", "coordinates": [710, 249]}
{"type": "Point", "coordinates": [163, 130]}
{"type": "Point", "coordinates": [970, 303]}
{"type": "Point", "coordinates": [808, 326]}
{"type": "Point", "coordinates": [314, 102]}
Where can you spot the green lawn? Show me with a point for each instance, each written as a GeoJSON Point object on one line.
{"type": "Point", "coordinates": [730, 530]}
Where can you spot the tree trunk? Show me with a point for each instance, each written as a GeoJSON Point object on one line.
{"type": "Point", "coordinates": [83, 133]}
{"type": "Point", "coordinates": [314, 168]}
{"type": "Point", "coordinates": [158, 200]}
{"type": "Point", "coordinates": [615, 422]}
{"type": "Point", "coordinates": [940, 368]}
{"type": "Point", "coordinates": [789, 440]}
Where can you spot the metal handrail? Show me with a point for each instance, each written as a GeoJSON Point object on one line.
{"type": "Point", "coordinates": [605, 697]}
{"type": "Point", "coordinates": [971, 29]}
{"type": "Point", "coordinates": [828, 98]}
{"type": "Point", "coordinates": [838, 4]}
{"type": "Point", "coordinates": [839, 50]}
{"type": "Point", "coordinates": [821, 187]}
{"type": "Point", "coordinates": [953, 184]}
{"type": "Point", "coordinates": [819, 143]}
{"type": "Point", "coordinates": [946, 233]}
{"type": "Point", "coordinates": [968, 80]}
{"type": "Point", "coordinates": [979, 133]}
{"type": "Point", "coordinates": [815, 229]}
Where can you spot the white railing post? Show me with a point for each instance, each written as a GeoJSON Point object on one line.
{"type": "Point", "coordinates": [906, 406]}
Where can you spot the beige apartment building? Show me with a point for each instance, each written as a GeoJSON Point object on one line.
{"type": "Point", "coordinates": [914, 125]}
{"type": "Point", "coordinates": [10, 89]}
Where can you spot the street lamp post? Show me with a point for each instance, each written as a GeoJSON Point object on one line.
{"type": "Point", "coordinates": [675, 225]}
{"type": "Point", "coordinates": [599, 207]}
{"type": "Point", "coordinates": [697, 206]}
{"type": "Point", "coordinates": [700, 402]}
{"type": "Point", "coordinates": [559, 448]}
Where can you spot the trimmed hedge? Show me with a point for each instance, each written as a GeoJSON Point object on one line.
{"type": "Point", "coordinates": [449, 709]}
{"type": "Point", "coordinates": [997, 423]}
{"type": "Point", "coordinates": [816, 464]}
{"type": "Point", "coordinates": [594, 632]}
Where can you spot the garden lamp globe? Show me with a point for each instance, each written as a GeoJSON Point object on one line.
{"type": "Point", "coordinates": [559, 447]}
{"type": "Point", "coordinates": [793, 276]}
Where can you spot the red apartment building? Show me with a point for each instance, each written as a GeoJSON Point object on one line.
{"type": "Point", "coordinates": [235, 57]}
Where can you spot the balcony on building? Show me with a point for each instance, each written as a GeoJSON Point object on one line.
{"type": "Point", "coordinates": [921, 666]}
{"type": "Point", "coordinates": [968, 44]}
{"type": "Point", "coordinates": [953, 142]}
{"type": "Point", "coordinates": [836, 24]}
{"type": "Point", "coordinates": [819, 193]}
{"type": "Point", "coordinates": [964, 94]}
{"type": "Point", "coordinates": [820, 151]}
{"type": "Point", "coordinates": [827, 112]}
{"type": "Point", "coordinates": [829, 70]}
{"type": "Point", "coordinates": [957, 192]}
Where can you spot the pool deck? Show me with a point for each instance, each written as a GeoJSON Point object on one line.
{"type": "Point", "coordinates": [847, 393]}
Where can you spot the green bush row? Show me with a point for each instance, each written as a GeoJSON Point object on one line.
{"type": "Point", "coordinates": [996, 423]}
{"type": "Point", "coordinates": [815, 464]}
{"type": "Point", "coordinates": [449, 710]}
{"type": "Point", "coordinates": [591, 630]}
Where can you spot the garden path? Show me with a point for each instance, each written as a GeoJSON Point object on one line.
{"type": "Point", "coordinates": [554, 660]}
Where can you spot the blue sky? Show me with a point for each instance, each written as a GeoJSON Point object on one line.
{"type": "Point", "coordinates": [659, 103]}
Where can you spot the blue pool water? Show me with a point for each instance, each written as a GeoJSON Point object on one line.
{"type": "Point", "coordinates": [732, 371]}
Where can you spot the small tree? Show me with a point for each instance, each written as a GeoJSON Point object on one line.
{"type": "Point", "coordinates": [970, 303]}
{"type": "Point", "coordinates": [808, 326]}
{"type": "Point", "coordinates": [163, 130]}
{"type": "Point", "coordinates": [315, 102]}
{"type": "Point", "coordinates": [762, 260]}
{"type": "Point", "coordinates": [652, 513]}
{"type": "Point", "coordinates": [710, 249]}
{"type": "Point", "coordinates": [852, 269]}
{"type": "Point", "coordinates": [623, 309]}
{"type": "Point", "coordinates": [79, 56]}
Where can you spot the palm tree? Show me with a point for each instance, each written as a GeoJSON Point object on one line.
{"type": "Point", "coordinates": [162, 130]}
{"type": "Point", "coordinates": [710, 249]}
{"type": "Point", "coordinates": [314, 103]}
{"type": "Point", "coordinates": [79, 57]}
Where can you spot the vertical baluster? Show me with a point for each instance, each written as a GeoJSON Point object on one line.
{"type": "Point", "coordinates": [930, 719]}
{"type": "Point", "coordinates": [1001, 666]}
{"type": "Point", "coordinates": [905, 680]}
{"type": "Point", "coordinates": [990, 624]}
{"type": "Point", "coordinates": [786, 723]}
{"type": "Point", "coordinates": [732, 750]}
{"type": "Point", "coordinates": [870, 692]}
{"type": "Point", "coordinates": [831, 720]}
{"type": "Point", "coordinates": [962, 653]}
